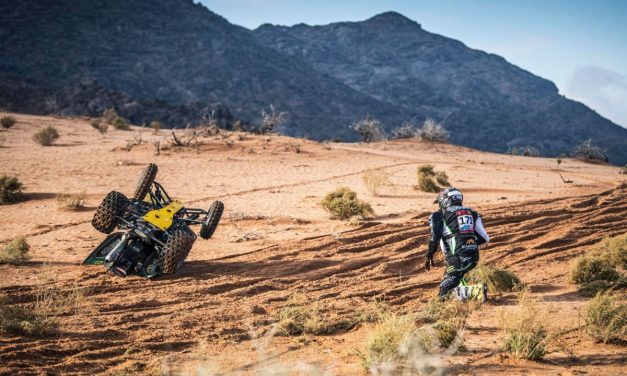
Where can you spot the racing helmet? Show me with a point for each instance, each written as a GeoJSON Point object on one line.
{"type": "Point", "coordinates": [449, 197]}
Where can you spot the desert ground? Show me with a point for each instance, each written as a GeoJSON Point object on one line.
{"type": "Point", "coordinates": [216, 316]}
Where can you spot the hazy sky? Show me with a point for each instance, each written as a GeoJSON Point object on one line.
{"type": "Point", "coordinates": [580, 45]}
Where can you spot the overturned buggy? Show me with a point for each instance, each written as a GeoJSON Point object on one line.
{"type": "Point", "coordinates": [156, 236]}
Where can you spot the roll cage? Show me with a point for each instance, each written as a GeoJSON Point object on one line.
{"type": "Point", "coordinates": [160, 198]}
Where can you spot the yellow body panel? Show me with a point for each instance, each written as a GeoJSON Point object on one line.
{"type": "Point", "coordinates": [164, 217]}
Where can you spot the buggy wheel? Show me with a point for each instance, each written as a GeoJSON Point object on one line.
{"type": "Point", "coordinates": [210, 224]}
{"type": "Point", "coordinates": [176, 249]}
{"type": "Point", "coordinates": [145, 181]}
{"type": "Point", "coordinates": [106, 217]}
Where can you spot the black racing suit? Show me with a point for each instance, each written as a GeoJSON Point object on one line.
{"type": "Point", "coordinates": [459, 232]}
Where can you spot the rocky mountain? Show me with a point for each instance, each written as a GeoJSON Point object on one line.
{"type": "Point", "coordinates": [485, 102]}
{"type": "Point", "coordinates": [177, 62]}
{"type": "Point", "coordinates": [75, 56]}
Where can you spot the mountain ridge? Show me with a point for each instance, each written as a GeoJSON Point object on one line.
{"type": "Point", "coordinates": [139, 56]}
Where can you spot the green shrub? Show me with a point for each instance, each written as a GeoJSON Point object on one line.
{"type": "Point", "coordinates": [524, 334]}
{"type": "Point", "coordinates": [586, 269]}
{"type": "Point", "coordinates": [10, 190]}
{"type": "Point", "coordinates": [7, 121]}
{"type": "Point", "coordinates": [46, 136]}
{"type": "Point", "coordinates": [446, 331]}
{"type": "Point", "coordinates": [15, 252]}
{"type": "Point", "coordinates": [15, 320]}
{"type": "Point", "coordinates": [498, 280]}
{"type": "Point", "coordinates": [606, 319]}
{"type": "Point", "coordinates": [614, 250]}
{"type": "Point", "coordinates": [427, 177]}
{"type": "Point", "coordinates": [121, 124]}
{"type": "Point", "coordinates": [343, 204]}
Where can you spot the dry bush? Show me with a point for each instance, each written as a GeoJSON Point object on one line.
{"type": "Point", "coordinates": [156, 126]}
{"type": "Point", "coordinates": [406, 130]}
{"type": "Point", "coordinates": [301, 316]}
{"type": "Point", "coordinates": [271, 120]}
{"type": "Point", "coordinates": [53, 300]}
{"type": "Point", "coordinates": [100, 126]}
{"type": "Point", "coordinates": [442, 178]}
{"type": "Point", "coordinates": [7, 121]}
{"type": "Point", "coordinates": [498, 280]}
{"type": "Point", "coordinates": [109, 115]}
{"type": "Point", "coordinates": [3, 140]}
{"type": "Point", "coordinates": [375, 180]}
{"type": "Point", "coordinates": [623, 170]}
{"type": "Point", "coordinates": [369, 129]}
{"type": "Point", "coordinates": [71, 201]}
{"type": "Point", "coordinates": [586, 269]}
{"type": "Point", "coordinates": [15, 252]}
{"type": "Point", "coordinates": [10, 190]}
{"type": "Point", "coordinates": [606, 319]}
{"type": "Point", "coordinates": [426, 182]}
{"type": "Point", "coordinates": [613, 250]}
{"type": "Point", "coordinates": [432, 131]}
{"type": "Point", "coordinates": [343, 204]}
{"type": "Point", "coordinates": [46, 136]}
{"type": "Point", "coordinates": [588, 152]}
{"type": "Point", "coordinates": [523, 331]}
{"type": "Point", "coordinates": [397, 346]}
{"type": "Point", "coordinates": [525, 151]}
{"type": "Point", "coordinates": [17, 320]}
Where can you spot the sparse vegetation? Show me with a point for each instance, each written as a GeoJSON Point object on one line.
{"type": "Point", "coordinates": [525, 151]}
{"type": "Point", "coordinates": [156, 126]}
{"type": "Point", "coordinates": [369, 129]}
{"type": "Point", "coordinates": [15, 252]}
{"type": "Point", "coordinates": [271, 120]}
{"type": "Point", "coordinates": [7, 121]}
{"type": "Point", "coordinates": [524, 334]}
{"type": "Point", "coordinates": [3, 140]}
{"type": "Point", "coordinates": [100, 126]}
{"type": "Point", "coordinates": [498, 280]}
{"type": "Point", "coordinates": [587, 268]}
{"type": "Point", "coordinates": [406, 130]}
{"type": "Point", "coordinates": [390, 337]}
{"type": "Point", "coordinates": [17, 320]}
{"type": "Point", "coordinates": [343, 204]}
{"type": "Point", "coordinates": [301, 316]}
{"type": "Point", "coordinates": [71, 201]}
{"type": "Point", "coordinates": [426, 182]}
{"type": "Point", "coordinates": [613, 250]}
{"type": "Point", "coordinates": [588, 152]}
{"type": "Point", "coordinates": [623, 170]}
{"type": "Point", "coordinates": [10, 190]}
{"type": "Point", "coordinates": [46, 136]}
{"type": "Point", "coordinates": [432, 131]}
{"type": "Point", "coordinates": [110, 116]}
{"type": "Point", "coordinates": [606, 319]}
{"type": "Point", "coordinates": [375, 180]}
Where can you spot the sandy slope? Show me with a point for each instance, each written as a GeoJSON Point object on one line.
{"type": "Point", "coordinates": [271, 193]}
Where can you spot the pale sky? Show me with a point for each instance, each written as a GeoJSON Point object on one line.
{"type": "Point", "coordinates": [579, 45]}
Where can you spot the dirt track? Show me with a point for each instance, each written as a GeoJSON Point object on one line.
{"type": "Point", "coordinates": [213, 300]}
{"type": "Point", "coordinates": [220, 307]}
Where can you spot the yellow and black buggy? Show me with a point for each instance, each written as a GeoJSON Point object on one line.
{"type": "Point", "coordinates": [156, 236]}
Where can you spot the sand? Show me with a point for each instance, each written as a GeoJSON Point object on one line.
{"type": "Point", "coordinates": [275, 240]}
